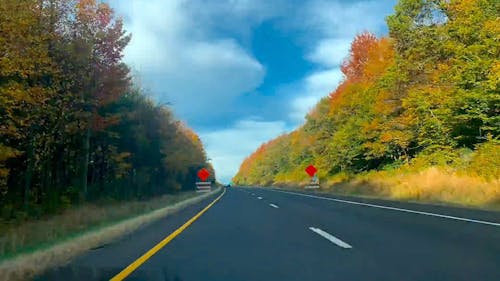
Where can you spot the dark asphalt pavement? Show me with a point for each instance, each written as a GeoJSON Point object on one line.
{"type": "Point", "coordinates": [244, 237]}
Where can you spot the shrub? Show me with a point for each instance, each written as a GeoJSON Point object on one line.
{"type": "Point", "coordinates": [485, 161]}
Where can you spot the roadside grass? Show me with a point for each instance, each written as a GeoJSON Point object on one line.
{"type": "Point", "coordinates": [435, 185]}
{"type": "Point", "coordinates": [34, 235]}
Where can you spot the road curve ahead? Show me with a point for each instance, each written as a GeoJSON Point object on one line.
{"type": "Point", "coordinates": [262, 234]}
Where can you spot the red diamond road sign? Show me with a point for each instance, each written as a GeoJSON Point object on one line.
{"type": "Point", "coordinates": [203, 174]}
{"type": "Point", "coordinates": [311, 170]}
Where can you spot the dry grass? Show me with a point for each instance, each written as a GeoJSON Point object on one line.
{"type": "Point", "coordinates": [432, 185]}
{"type": "Point", "coordinates": [29, 236]}
{"type": "Point", "coordinates": [27, 265]}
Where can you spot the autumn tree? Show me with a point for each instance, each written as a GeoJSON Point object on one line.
{"type": "Point", "coordinates": [428, 90]}
{"type": "Point", "coordinates": [72, 127]}
{"type": "Point", "coordinates": [98, 40]}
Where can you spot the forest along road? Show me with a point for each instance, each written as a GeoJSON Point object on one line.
{"type": "Point", "coordinates": [264, 234]}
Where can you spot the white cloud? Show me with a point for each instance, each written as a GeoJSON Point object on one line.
{"type": "Point", "coordinates": [181, 60]}
{"type": "Point", "coordinates": [345, 18]}
{"type": "Point", "coordinates": [330, 52]}
{"type": "Point", "coordinates": [314, 87]}
{"type": "Point", "coordinates": [228, 147]}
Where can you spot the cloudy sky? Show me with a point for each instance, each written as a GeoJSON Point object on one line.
{"type": "Point", "coordinates": [241, 72]}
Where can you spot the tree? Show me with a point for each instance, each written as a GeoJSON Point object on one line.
{"type": "Point", "coordinates": [99, 38]}
{"type": "Point", "coordinates": [72, 127]}
{"type": "Point", "coordinates": [26, 70]}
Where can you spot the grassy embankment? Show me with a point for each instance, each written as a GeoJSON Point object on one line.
{"type": "Point", "coordinates": [29, 248]}
{"type": "Point", "coordinates": [456, 177]}
{"type": "Point", "coordinates": [430, 185]}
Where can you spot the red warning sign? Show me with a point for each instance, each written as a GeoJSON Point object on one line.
{"type": "Point", "coordinates": [311, 170]}
{"type": "Point", "coordinates": [203, 174]}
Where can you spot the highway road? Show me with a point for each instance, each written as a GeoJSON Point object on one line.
{"type": "Point", "coordinates": [262, 234]}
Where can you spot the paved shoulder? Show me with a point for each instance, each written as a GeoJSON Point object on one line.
{"type": "Point", "coordinates": [105, 261]}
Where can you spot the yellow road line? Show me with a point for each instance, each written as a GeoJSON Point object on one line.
{"type": "Point", "coordinates": [138, 262]}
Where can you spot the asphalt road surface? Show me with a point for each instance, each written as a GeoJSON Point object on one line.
{"type": "Point", "coordinates": [261, 234]}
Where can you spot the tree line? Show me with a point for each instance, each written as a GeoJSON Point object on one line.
{"type": "Point", "coordinates": [428, 94]}
{"type": "Point", "coordinates": [73, 125]}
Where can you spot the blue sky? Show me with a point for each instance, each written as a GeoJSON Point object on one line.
{"type": "Point", "coordinates": [240, 72]}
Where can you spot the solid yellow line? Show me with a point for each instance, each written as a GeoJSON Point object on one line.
{"type": "Point", "coordinates": [138, 262]}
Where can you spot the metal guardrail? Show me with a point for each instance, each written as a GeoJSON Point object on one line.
{"type": "Point", "coordinates": [314, 184]}
{"type": "Point", "coordinates": [203, 186]}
